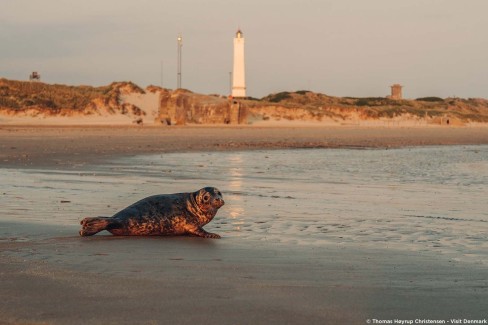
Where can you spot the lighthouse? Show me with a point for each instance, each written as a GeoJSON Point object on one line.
{"type": "Point", "coordinates": [238, 74]}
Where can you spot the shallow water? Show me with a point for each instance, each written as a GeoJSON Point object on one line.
{"type": "Point", "coordinates": [431, 199]}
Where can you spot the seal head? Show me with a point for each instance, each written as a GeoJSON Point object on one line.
{"type": "Point", "coordinates": [205, 204]}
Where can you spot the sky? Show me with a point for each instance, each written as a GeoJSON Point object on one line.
{"type": "Point", "coordinates": [354, 48]}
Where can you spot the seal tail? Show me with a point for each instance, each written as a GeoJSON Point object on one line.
{"type": "Point", "coordinates": [91, 226]}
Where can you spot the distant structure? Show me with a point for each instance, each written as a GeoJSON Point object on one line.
{"type": "Point", "coordinates": [178, 73]}
{"type": "Point", "coordinates": [238, 74]}
{"type": "Point", "coordinates": [34, 76]}
{"type": "Point", "coordinates": [396, 92]}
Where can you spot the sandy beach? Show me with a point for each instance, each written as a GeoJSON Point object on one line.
{"type": "Point", "coordinates": [50, 275]}
{"type": "Point", "coordinates": [25, 146]}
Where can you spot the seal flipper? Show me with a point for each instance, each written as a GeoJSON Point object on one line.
{"type": "Point", "coordinates": [200, 232]}
{"type": "Point", "coordinates": [91, 226]}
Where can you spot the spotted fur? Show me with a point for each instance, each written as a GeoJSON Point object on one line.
{"type": "Point", "coordinates": [159, 215]}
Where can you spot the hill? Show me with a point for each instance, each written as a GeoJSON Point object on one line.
{"type": "Point", "coordinates": [21, 98]}
{"type": "Point", "coordinates": [428, 109]}
{"type": "Point", "coordinates": [125, 102]}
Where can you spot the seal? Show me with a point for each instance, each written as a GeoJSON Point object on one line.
{"type": "Point", "coordinates": [161, 215]}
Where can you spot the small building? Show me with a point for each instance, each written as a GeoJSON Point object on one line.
{"type": "Point", "coordinates": [396, 92]}
{"type": "Point", "coordinates": [35, 76]}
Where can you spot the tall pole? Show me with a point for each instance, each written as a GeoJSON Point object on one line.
{"type": "Point", "coordinates": [230, 83]}
{"type": "Point", "coordinates": [180, 44]}
{"type": "Point", "coordinates": [162, 73]}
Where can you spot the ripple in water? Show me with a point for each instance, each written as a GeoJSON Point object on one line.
{"type": "Point", "coordinates": [421, 199]}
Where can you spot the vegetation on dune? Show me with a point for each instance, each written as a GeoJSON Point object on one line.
{"type": "Point", "coordinates": [374, 101]}
{"type": "Point", "coordinates": [276, 98]}
{"type": "Point", "coordinates": [18, 95]}
{"type": "Point", "coordinates": [321, 105]}
{"type": "Point", "coordinates": [430, 99]}
{"type": "Point", "coordinates": [22, 96]}
{"type": "Point", "coordinates": [253, 99]}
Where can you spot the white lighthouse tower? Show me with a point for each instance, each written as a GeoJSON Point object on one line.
{"type": "Point", "coordinates": [238, 75]}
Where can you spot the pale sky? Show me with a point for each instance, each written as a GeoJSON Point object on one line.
{"type": "Point", "coordinates": [337, 47]}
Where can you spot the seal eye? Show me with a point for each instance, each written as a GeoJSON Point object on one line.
{"type": "Point", "coordinates": [206, 197]}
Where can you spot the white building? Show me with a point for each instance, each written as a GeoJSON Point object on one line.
{"type": "Point", "coordinates": [238, 74]}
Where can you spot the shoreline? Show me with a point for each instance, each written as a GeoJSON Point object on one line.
{"type": "Point", "coordinates": [63, 146]}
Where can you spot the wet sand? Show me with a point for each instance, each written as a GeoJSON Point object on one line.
{"type": "Point", "coordinates": [68, 146]}
{"type": "Point", "coordinates": [49, 275]}
{"type": "Point", "coordinates": [107, 280]}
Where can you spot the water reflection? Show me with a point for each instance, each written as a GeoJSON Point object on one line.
{"type": "Point", "coordinates": [236, 210]}
{"type": "Point", "coordinates": [235, 163]}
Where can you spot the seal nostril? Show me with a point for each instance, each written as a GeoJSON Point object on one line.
{"type": "Point", "coordinates": [220, 201]}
